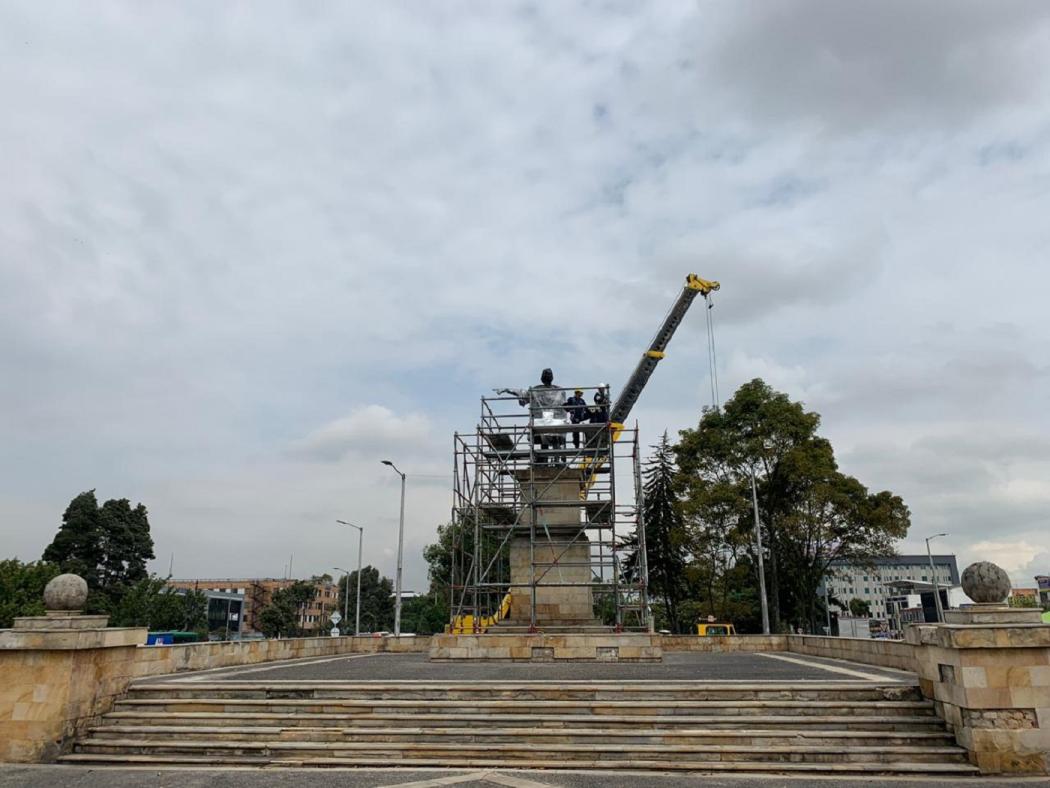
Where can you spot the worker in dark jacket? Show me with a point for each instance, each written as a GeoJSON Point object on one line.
{"type": "Point", "coordinates": [576, 405]}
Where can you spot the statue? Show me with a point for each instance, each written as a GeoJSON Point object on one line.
{"type": "Point", "coordinates": [546, 404]}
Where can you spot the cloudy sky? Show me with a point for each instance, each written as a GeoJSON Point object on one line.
{"type": "Point", "coordinates": [248, 250]}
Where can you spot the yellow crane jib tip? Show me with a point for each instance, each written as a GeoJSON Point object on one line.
{"type": "Point", "coordinates": [705, 286]}
{"type": "Point", "coordinates": [657, 354]}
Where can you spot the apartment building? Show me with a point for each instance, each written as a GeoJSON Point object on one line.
{"type": "Point", "coordinates": [257, 592]}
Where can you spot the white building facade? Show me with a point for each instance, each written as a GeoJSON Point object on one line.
{"type": "Point", "coordinates": [846, 582]}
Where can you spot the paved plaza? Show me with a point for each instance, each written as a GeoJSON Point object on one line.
{"type": "Point", "coordinates": [676, 666]}
{"type": "Point", "coordinates": [118, 777]}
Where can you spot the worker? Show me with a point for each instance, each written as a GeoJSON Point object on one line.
{"type": "Point", "coordinates": [600, 410]}
{"type": "Point", "coordinates": [576, 405]}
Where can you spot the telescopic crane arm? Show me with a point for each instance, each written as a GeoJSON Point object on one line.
{"type": "Point", "coordinates": [658, 347]}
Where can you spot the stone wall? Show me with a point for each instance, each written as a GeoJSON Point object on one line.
{"type": "Point", "coordinates": [880, 653]}
{"type": "Point", "coordinates": [540, 647]}
{"type": "Point", "coordinates": [752, 643]}
{"type": "Point", "coordinates": [56, 684]}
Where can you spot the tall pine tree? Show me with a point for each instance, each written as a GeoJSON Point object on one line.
{"type": "Point", "coordinates": [107, 545]}
{"type": "Point", "coordinates": [665, 537]}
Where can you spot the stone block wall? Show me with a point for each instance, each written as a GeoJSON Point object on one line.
{"type": "Point", "coordinates": [992, 685]}
{"type": "Point", "coordinates": [57, 684]}
{"type": "Point", "coordinates": [880, 653]}
{"type": "Point", "coordinates": [734, 643]}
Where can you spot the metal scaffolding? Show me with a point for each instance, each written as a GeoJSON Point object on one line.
{"type": "Point", "coordinates": [527, 482]}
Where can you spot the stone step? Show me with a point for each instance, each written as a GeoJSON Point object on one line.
{"type": "Point", "coordinates": [589, 707]}
{"type": "Point", "coordinates": [452, 751]}
{"type": "Point", "coordinates": [530, 691]}
{"type": "Point", "coordinates": [645, 735]}
{"type": "Point", "coordinates": [474, 762]}
{"type": "Point", "coordinates": [555, 721]}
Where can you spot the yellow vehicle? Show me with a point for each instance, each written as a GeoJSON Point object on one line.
{"type": "Point", "coordinates": [710, 630]}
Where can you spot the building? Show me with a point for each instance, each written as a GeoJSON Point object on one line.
{"type": "Point", "coordinates": [257, 592]}
{"type": "Point", "coordinates": [1043, 581]}
{"type": "Point", "coordinates": [869, 583]}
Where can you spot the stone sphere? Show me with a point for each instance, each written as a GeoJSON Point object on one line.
{"type": "Point", "coordinates": [986, 583]}
{"type": "Point", "coordinates": [66, 592]}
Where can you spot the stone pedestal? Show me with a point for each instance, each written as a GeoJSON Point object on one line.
{"type": "Point", "coordinates": [60, 671]}
{"type": "Point", "coordinates": [562, 554]}
{"type": "Point", "coordinates": [988, 671]}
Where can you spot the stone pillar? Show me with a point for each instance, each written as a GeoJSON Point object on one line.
{"type": "Point", "coordinates": [987, 669]}
{"type": "Point", "coordinates": [555, 606]}
{"type": "Point", "coordinates": [60, 672]}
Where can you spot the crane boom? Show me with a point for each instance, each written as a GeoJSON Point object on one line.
{"type": "Point", "coordinates": [658, 347]}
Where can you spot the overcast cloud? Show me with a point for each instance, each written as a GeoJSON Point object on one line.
{"type": "Point", "coordinates": [248, 250]}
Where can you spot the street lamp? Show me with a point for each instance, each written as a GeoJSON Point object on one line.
{"type": "Point", "coordinates": [360, 537]}
{"type": "Point", "coordinates": [761, 565]}
{"type": "Point", "coordinates": [936, 586]}
{"type": "Point", "coordinates": [400, 547]}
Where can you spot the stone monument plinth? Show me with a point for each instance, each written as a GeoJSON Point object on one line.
{"type": "Point", "coordinates": [987, 669]}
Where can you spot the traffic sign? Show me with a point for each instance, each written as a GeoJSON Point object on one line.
{"type": "Point", "coordinates": [335, 618]}
{"type": "Point", "coordinates": [335, 632]}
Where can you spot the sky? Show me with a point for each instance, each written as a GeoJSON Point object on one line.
{"type": "Point", "coordinates": [249, 250]}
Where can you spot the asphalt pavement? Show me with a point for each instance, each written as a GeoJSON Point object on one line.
{"type": "Point", "coordinates": [676, 666]}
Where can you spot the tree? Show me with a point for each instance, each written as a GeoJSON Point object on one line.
{"type": "Point", "coordinates": [377, 601]}
{"type": "Point", "coordinates": [455, 546]}
{"type": "Point", "coordinates": [151, 603]}
{"type": "Point", "coordinates": [810, 513]}
{"type": "Point", "coordinates": [1017, 600]}
{"type": "Point", "coordinates": [665, 536]}
{"type": "Point", "coordinates": [107, 545]}
{"type": "Point", "coordinates": [282, 616]}
{"type": "Point", "coordinates": [860, 608]}
{"type": "Point", "coordinates": [22, 588]}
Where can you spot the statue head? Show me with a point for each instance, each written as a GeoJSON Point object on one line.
{"type": "Point", "coordinates": [547, 377]}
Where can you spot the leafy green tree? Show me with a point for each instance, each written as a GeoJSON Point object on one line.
{"type": "Point", "coordinates": [377, 601]}
{"type": "Point", "coordinates": [107, 545]}
{"type": "Point", "coordinates": [810, 513]}
{"type": "Point", "coordinates": [860, 608]}
{"type": "Point", "coordinates": [151, 603]}
{"type": "Point", "coordinates": [455, 546]}
{"type": "Point", "coordinates": [1016, 600]}
{"type": "Point", "coordinates": [282, 617]}
{"type": "Point", "coordinates": [22, 588]}
{"type": "Point", "coordinates": [424, 615]}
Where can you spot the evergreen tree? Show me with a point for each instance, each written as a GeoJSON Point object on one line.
{"type": "Point", "coordinates": [107, 545]}
{"type": "Point", "coordinates": [665, 535]}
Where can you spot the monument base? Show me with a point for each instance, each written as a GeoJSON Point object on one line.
{"type": "Point", "coordinates": [548, 647]}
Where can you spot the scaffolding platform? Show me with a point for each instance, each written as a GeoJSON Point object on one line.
{"type": "Point", "coordinates": [547, 534]}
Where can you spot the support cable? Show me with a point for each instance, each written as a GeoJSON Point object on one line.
{"type": "Point", "coordinates": [712, 354]}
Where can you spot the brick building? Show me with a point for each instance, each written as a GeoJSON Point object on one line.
{"type": "Point", "coordinates": [257, 592]}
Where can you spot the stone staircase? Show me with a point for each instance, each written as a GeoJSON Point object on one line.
{"type": "Point", "coordinates": [839, 727]}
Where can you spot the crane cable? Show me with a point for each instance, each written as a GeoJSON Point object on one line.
{"type": "Point", "coordinates": [712, 355]}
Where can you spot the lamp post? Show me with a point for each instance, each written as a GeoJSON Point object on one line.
{"type": "Point", "coordinates": [346, 592]}
{"type": "Point", "coordinates": [936, 586]}
{"type": "Point", "coordinates": [761, 564]}
{"type": "Point", "coordinates": [400, 548]}
{"type": "Point", "coordinates": [357, 616]}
